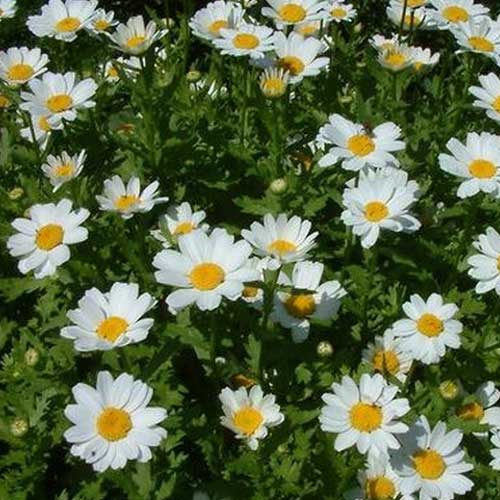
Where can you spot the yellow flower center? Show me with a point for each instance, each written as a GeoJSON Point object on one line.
{"type": "Point", "coordinates": [292, 64]}
{"type": "Point", "coordinates": [386, 362]}
{"type": "Point", "coordinates": [125, 202]}
{"type": "Point", "coordinates": [250, 292]}
{"type": "Point", "coordinates": [135, 41]}
{"type": "Point", "coordinates": [418, 66]}
{"type": "Point", "coordinates": [281, 247]}
{"type": "Point", "coordinates": [112, 72]}
{"type": "Point", "coordinates": [20, 72]}
{"type": "Point", "coordinates": [49, 236]}
{"type": "Point", "coordinates": [481, 43]}
{"type": "Point", "coordinates": [308, 29]}
{"type": "Point", "coordinates": [112, 328]}
{"type": "Point", "coordinates": [455, 14]}
{"type": "Point", "coordinates": [375, 211]}
{"type": "Point", "coordinates": [183, 228]}
{"type": "Point", "coordinates": [273, 87]}
{"type": "Point", "coordinates": [101, 25]}
{"type": "Point", "coordinates": [113, 424]}
{"type": "Point", "coordinates": [68, 24]}
{"type": "Point", "coordinates": [246, 41]}
{"type": "Point", "coordinates": [429, 464]}
{"type": "Point", "coordinates": [64, 170]}
{"type": "Point", "coordinates": [379, 488]}
{"type": "Point", "coordinates": [482, 169]}
{"type": "Point", "coordinates": [411, 19]}
{"type": "Point", "coordinates": [4, 102]}
{"type": "Point", "coordinates": [471, 411]}
{"type": "Point", "coordinates": [292, 13]}
{"type": "Point", "coordinates": [216, 26]}
{"type": "Point", "coordinates": [360, 145]}
{"type": "Point", "coordinates": [365, 417]}
{"type": "Point", "coordinates": [43, 124]}
{"type": "Point", "coordinates": [247, 420]}
{"type": "Point", "coordinates": [496, 104]}
{"type": "Point", "coordinates": [498, 263]}
{"type": "Point", "coordinates": [430, 325]}
{"type": "Point", "coordinates": [59, 102]}
{"type": "Point", "coordinates": [338, 13]}
{"type": "Point", "coordinates": [206, 276]}
{"type": "Point", "coordinates": [415, 3]}
{"type": "Point", "coordinates": [395, 59]}
{"type": "Point", "coordinates": [300, 306]}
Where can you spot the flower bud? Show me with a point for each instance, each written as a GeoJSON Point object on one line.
{"type": "Point", "coordinates": [18, 427]}
{"type": "Point", "coordinates": [450, 389]}
{"type": "Point", "coordinates": [193, 76]}
{"type": "Point", "coordinates": [278, 186]}
{"type": "Point", "coordinates": [324, 349]}
{"type": "Point", "coordinates": [16, 193]}
{"type": "Point", "coordinates": [31, 357]}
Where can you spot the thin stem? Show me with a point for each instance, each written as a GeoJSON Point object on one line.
{"type": "Point", "coordinates": [403, 17]}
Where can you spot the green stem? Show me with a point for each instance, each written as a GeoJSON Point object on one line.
{"type": "Point", "coordinates": [403, 17]}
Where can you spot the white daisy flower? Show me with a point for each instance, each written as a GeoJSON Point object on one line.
{"type": "Point", "coordinates": [42, 125]}
{"type": "Point", "coordinates": [286, 12]}
{"type": "Point", "coordinates": [249, 414]}
{"type": "Point", "coordinates": [396, 58]}
{"type": "Point", "coordinates": [431, 463]}
{"type": "Point", "coordinates": [429, 329]}
{"type": "Point", "coordinates": [245, 40]}
{"type": "Point", "coordinates": [62, 20]}
{"type": "Point", "coordinates": [381, 42]}
{"type": "Point", "coordinates": [378, 481]}
{"type": "Point", "coordinates": [59, 95]}
{"type": "Point", "coordinates": [385, 356]}
{"type": "Point", "coordinates": [357, 146]}
{"type": "Point", "coordinates": [208, 21]}
{"type": "Point", "coordinates": [129, 200]}
{"type": "Point", "coordinates": [131, 66]}
{"type": "Point", "coordinates": [422, 58]}
{"type": "Point", "coordinates": [104, 321]}
{"type": "Point", "coordinates": [310, 28]}
{"type": "Point", "coordinates": [42, 240]}
{"type": "Point", "coordinates": [298, 55]}
{"type": "Point", "coordinates": [20, 65]}
{"type": "Point", "coordinates": [251, 294]}
{"type": "Point", "coordinates": [61, 169]}
{"type": "Point", "coordinates": [477, 161]}
{"type": "Point", "coordinates": [113, 422]}
{"type": "Point", "coordinates": [101, 22]}
{"type": "Point", "coordinates": [449, 13]}
{"type": "Point", "coordinates": [338, 11]}
{"type": "Point", "coordinates": [181, 219]}
{"type": "Point", "coordinates": [381, 200]}
{"type": "Point", "coordinates": [417, 18]}
{"type": "Point", "coordinates": [488, 95]}
{"type": "Point", "coordinates": [135, 37]}
{"type": "Point", "coordinates": [365, 416]}
{"type": "Point", "coordinates": [273, 82]}
{"type": "Point", "coordinates": [205, 269]}
{"type": "Point", "coordinates": [485, 266]}
{"type": "Point", "coordinates": [308, 300]}
{"type": "Point", "coordinates": [8, 9]}
{"type": "Point", "coordinates": [283, 239]}
{"type": "Point", "coordinates": [495, 452]}
{"type": "Point", "coordinates": [480, 35]}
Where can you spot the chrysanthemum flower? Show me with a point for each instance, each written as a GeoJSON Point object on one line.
{"type": "Point", "coordinates": [488, 95]}
{"type": "Point", "coordinates": [338, 11]}
{"type": "Point", "coordinates": [43, 239]}
{"type": "Point", "coordinates": [283, 239]}
{"type": "Point", "coordinates": [431, 463]}
{"type": "Point", "coordinates": [365, 416]}
{"type": "Point", "coordinates": [113, 423]}
{"type": "Point", "coordinates": [429, 329]}
{"type": "Point", "coordinates": [135, 37]}
{"type": "Point", "coordinates": [249, 414]}
{"type": "Point", "coordinates": [130, 66]}
{"type": "Point", "coordinates": [307, 301]}
{"type": "Point", "coordinates": [485, 266]}
{"type": "Point", "coordinates": [274, 81]}
{"type": "Point", "coordinates": [207, 268]}
{"type": "Point", "coordinates": [385, 356]}
{"type": "Point", "coordinates": [416, 18]}
{"type": "Point", "coordinates": [477, 161]}
{"type": "Point", "coordinates": [182, 220]}
{"type": "Point", "coordinates": [245, 40]}
{"type": "Point", "coordinates": [381, 200]}
{"type": "Point", "coordinates": [102, 21]}
{"type": "Point", "coordinates": [449, 13]}
{"type": "Point", "coordinates": [495, 452]}
{"type": "Point", "coordinates": [20, 65]}
{"type": "Point", "coordinates": [62, 20]}
{"type": "Point", "coordinates": [396, 58]}
{"type": "Point", "coordinates": [104, 321]}
{"type": "Point", "coordinates": [357, 146]}
{"type": "Point", "coordinates": [253, 295]}
{"type": "Point", "coordinates": [381, 42]}
{"type": "Point", "coordinates": [423, 58]}
{"type": "Point", "coordinates": [8, 8]}
{"type": "Point", "coordinates": [129, 200]}
{"type": "Point", "coordinates": [286, 12]}
{"type": "Point", "coordinates": [208, 21]}
{"type": "Point", "coordinates": [63, 168]}
{"type": "Point", "coordinates": [310, 28]}
{"type": "Point", "coordinates": [41, 128]}
{"type": "Point", "coordinates": [59, 95]}
{"type": "Point", "coordinates": [480, 35]}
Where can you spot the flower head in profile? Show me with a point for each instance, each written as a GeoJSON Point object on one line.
{"type": "Point", "coordinates": [423, 58]}
{"type": "Point", "coordinates": [104, 321]}
{"type": "Point", "coordinates": [181, 219]}
{"type": "Point", "coordinates": [488, 95]}
{"type": "Point", "coordinates": [430, 462]}
{"type": "Point", "coordinates": [20, 65]}
{"type": "Point", "coordinates": [396, 58]}
{"type": "Point", "coordinates": [62, 20]}
{"type": "Point", "coordinates": [273, 82]}
{"type": "Point", "coordinates": [204, 270]}
{"type": "Point", "coordinates": [112, 423]}
{"type": "Point", "coordinates": [286, 12]}
{"type": "Point", "coordinates": [64, 167]}
{"type": "Point", "coordinates": [414, 18]}
{"type": "Point", "coordinates": [429, 329]}
{"type": "Point", "coordinates": [129, 200]}
{"type": "Point", "coordinates": [102, 22]}
{"type": "Point", "coordinates": [41, 128]}
{"type": "Point", "coordinates": [309, 299]}
{"type": "Point", "coordinates": [246, 39]}
{"type": "Point", "coordinates": [207, 22]}
{"type": "Point", "coordinates": [485, 265]}
{"type": "Point", "coordinates": [365, 415]}
{"type": "Point", "coordinates": [249, 413]}
{"type": "Point", "coordinates": [8, 9]}
{"type": "Point", "coordinates": [43, 239]}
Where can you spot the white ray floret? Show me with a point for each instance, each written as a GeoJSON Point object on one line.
{"type": "Point", "coordinates": [207, 22]}
{"type": "Point", "coordinates": [64, 167]}
{"type": "Point", "coordinates": [485, 266]}
{"type": "Point", "coordinates": [488, 95]}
